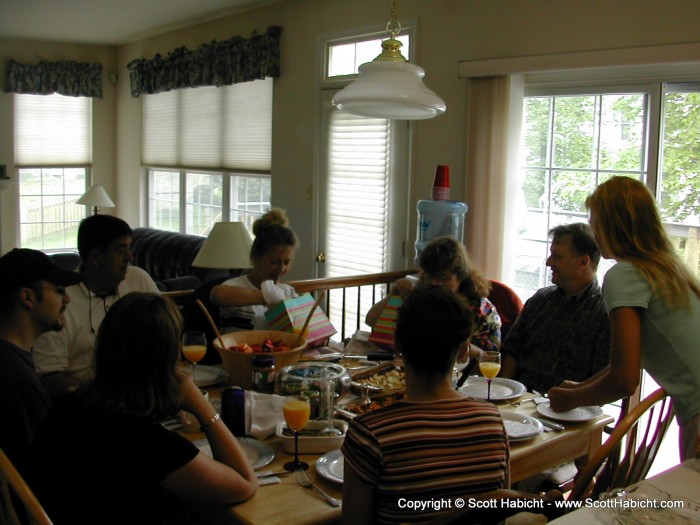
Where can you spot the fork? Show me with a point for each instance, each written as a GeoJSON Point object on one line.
{"type": "Point", "coordinates": [306, 483]}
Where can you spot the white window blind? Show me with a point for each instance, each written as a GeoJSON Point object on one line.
{"type": "Point", "coordinates": [209, 127]}
{"type": "Point", "coordinates": [358, 194]}
{"type": "Point", "coordinates": [52, 130]}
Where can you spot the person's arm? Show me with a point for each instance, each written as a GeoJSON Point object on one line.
{"type": "Point", "coordinates": [619, 379]}
{"type": "Point", "coordinates": [228, 477]}
{"type": "Point", "coordinates": [358, 498]}
{"type": "Point", "coordinates": [401, 287]}
{"type": "Point", "coordinates": [58, 384]}
{"type": "Point", "coordinates": [509, 367]}
{"type": "Point", "coordinates": [225, 295]}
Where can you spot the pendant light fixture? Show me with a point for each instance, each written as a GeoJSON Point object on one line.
{"type": "Point", "coordinates": [389, 86]}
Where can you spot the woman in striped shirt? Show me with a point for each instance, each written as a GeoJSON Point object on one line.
{"type": "Point", "coordinates": [410, 461]}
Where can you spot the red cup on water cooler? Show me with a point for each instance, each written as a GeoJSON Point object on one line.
{"type": "Point", "coordinates": [441, 184]}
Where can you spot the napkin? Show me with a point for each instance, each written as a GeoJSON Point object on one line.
{"type": "Point", "coordinates": [273, 293]}
{"type": "Point", "coordinates": [263, 412]}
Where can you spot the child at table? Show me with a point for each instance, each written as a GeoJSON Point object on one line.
{"type": "Point", "coordinates": [102, 457]}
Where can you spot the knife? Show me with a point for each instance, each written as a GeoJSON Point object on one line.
{"type": "Point", "coordinates": [551, 424]}
{"type": "Point", "coordinates": [377, 356]}
{"type": "Point", "coordinates": [465, 373]}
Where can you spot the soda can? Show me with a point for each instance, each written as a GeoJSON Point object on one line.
{"type": "Point", "coordinates": [233, 409]}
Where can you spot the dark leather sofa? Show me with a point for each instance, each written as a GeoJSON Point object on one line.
{"type": "Point", "coordinates": [166, 256]}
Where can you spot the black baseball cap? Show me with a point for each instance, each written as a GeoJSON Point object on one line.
{"type": "Point", "coordinates": [23, 266]}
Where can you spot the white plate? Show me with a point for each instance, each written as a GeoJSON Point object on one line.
{"type": "Point", "coordinates": [520, 427]}
{"type": "Point", "coordinates": [330, 466]}
{"type": "Point", "coordinates": [206, 375]}
{"type": "Point", "coordinates": [501, 388]}
{"type": "Point", "coordinates": [576, 415]}
{"type": "Point", "coordinates": [258, 453]}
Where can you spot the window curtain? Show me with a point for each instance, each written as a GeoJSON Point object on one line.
{"type": "Point", "coordinates": [213, 64]}
{"type": "Point", "coordinates": [494, 115]}
{"type": "Point", "coordinates": [68, 78]}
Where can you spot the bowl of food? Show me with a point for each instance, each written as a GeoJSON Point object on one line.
{"type": "Point", "coordinates": [241, 347]}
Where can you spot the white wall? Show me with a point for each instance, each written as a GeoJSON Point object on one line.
{"type": "Point", "coordinates": [447, 31]}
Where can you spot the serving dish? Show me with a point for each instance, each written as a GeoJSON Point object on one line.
{"type": "Point", "coordinates": [384, 378]}
{"type": "Point", "coordinates": [309, 443]}
{"type": "Point", "coordinates": [350, 409]}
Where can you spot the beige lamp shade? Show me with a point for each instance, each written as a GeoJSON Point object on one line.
{"type": "Point", "coordinates": [96, 197]}
{"type": "Point", "coordinates": [227, 247]}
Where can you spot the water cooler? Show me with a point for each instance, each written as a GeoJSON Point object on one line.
{"type": "Point", "coordinates": [439, 216]}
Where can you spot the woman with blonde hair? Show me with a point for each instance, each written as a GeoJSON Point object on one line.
{"type": "Point", "coordinates": [243, 300]}
{"type": "Point", "coordinates": [654, 305]}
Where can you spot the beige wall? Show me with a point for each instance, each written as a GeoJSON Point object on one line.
{"type": "Point", "coordinates": [447, 31]}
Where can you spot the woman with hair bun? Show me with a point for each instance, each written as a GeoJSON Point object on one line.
{"type": "Point", "coordinates": [243, 300]}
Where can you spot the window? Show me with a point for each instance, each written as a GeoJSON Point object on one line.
{"type": "Point", "coordinates": [574, 141]}
{"type": "Point", "coordinates": [363, 183]}
{"type": "Point", "coordinates": [208, 153]}
{"type": "Point", "coordinates": [53, 153]}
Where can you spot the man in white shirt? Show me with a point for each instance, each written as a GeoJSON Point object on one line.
{"type": "Point", "coordinates": [64, 359]}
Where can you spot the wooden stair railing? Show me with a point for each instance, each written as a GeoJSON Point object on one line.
{"type": "Point", "coordinates": [360, 290]}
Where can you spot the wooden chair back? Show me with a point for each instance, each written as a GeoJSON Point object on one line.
{"type": "Point", "coordinates": [626, 456]}
{"type": "Point", "coordinates": [14, 490]}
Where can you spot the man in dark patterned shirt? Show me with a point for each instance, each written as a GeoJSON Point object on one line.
{"type": "Point", "coordinates": [563, 331]}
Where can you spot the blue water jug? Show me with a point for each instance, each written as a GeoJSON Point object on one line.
{"type": "Point", "coordinates": [439, 218]}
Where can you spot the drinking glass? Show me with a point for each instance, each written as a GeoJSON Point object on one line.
{"type": "Point", "coordinates": [296, 413]}
{"type": "Point", "coordinates": [194, 346]}
{"type": "Point", "coordinates": [490, 365]}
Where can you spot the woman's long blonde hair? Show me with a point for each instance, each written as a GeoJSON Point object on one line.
{"type": "Point", "coordinates": [629, 228]}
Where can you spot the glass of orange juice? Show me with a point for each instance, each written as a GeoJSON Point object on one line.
{"type": "Point", "coordinates": [296, 413]}
{"type": "Point", "coordinates": [194, 346]}
{"type": "Point", "coordinates": [490, 365]}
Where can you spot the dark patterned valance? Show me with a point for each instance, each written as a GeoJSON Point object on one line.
{"type": "Point", "coordinates": [214, 64]}
{"type": "Point", "coordinates": [73, 79]}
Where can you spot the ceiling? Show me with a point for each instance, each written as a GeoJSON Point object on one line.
{"type": "Point", "coordinates": [108, 22]}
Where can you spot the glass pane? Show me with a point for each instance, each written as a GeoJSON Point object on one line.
{"type": "Point", "coordinates": [537, 111]}
{"type": "Point", "coordinates": [344, 58]}
{"type": "Point", "coordinates": [202, 202]}
{"type": "Point", "coordinates": [575, 131]}
{"type": "Point", "coordinates": [49, 215]}
{"type": "Point", "coordinates": [679, 191]}
{"type": "Point", "coordinates": [569, 192]}
{"type": "Point", "coordinates": [623, 132]}
{"type": "Point", "coordinates": [250, 198]}
{"type": "Point", "coordinates": [164, 200]}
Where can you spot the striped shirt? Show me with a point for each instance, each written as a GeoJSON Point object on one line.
{"type": "Point", "coordinates": [433, 450]}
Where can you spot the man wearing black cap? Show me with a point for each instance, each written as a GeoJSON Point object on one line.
{"type": "Point", "coordinates": [32, 301]}
{"type": "Point", "coordinates": [64, 359]}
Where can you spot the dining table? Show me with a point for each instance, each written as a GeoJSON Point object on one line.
{"type": "Point", "coordinates": [287, 501]}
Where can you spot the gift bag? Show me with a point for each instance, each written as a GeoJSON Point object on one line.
{"type": "Point", "coordinates": [290, 315]}
{"type": "Point", "coordinates": [383, 331]}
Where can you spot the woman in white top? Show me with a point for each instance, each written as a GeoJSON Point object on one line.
{"type": "Point", "coordinates": [244, 300]}
{"type": "Point", "coordinates": [653, 301]}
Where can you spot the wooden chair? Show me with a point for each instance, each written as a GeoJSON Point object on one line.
{"type": "Point", "coordinates": [13, 489]}
{"type": "Point", "coordinates": [626, 456]}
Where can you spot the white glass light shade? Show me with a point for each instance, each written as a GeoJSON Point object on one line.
{"type": "Point", "coordinates": [227, 247]}
{"type": "Point", "coordinates": [393, 90]}
{"type": "Point", "coordinates": [96, 196]}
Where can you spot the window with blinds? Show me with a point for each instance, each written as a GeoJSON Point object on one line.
{"type": "Point", "coordinates": [53, 153]}
{"type": "Point", "coordinates": [358, 194]}
{"type": "Point", "coordinates": [208, 153]}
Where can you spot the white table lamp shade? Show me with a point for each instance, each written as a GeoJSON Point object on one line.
{"type": "Point", "coordinates": [227, 246]}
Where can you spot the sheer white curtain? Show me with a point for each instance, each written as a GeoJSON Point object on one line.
{"type": "Point", "coordinates": [494, 115]}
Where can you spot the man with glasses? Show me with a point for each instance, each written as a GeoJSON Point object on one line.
{"type": "Point", "coordinates": [64, 359]}
{"type": "Point", "coordinates": [33, 299]}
